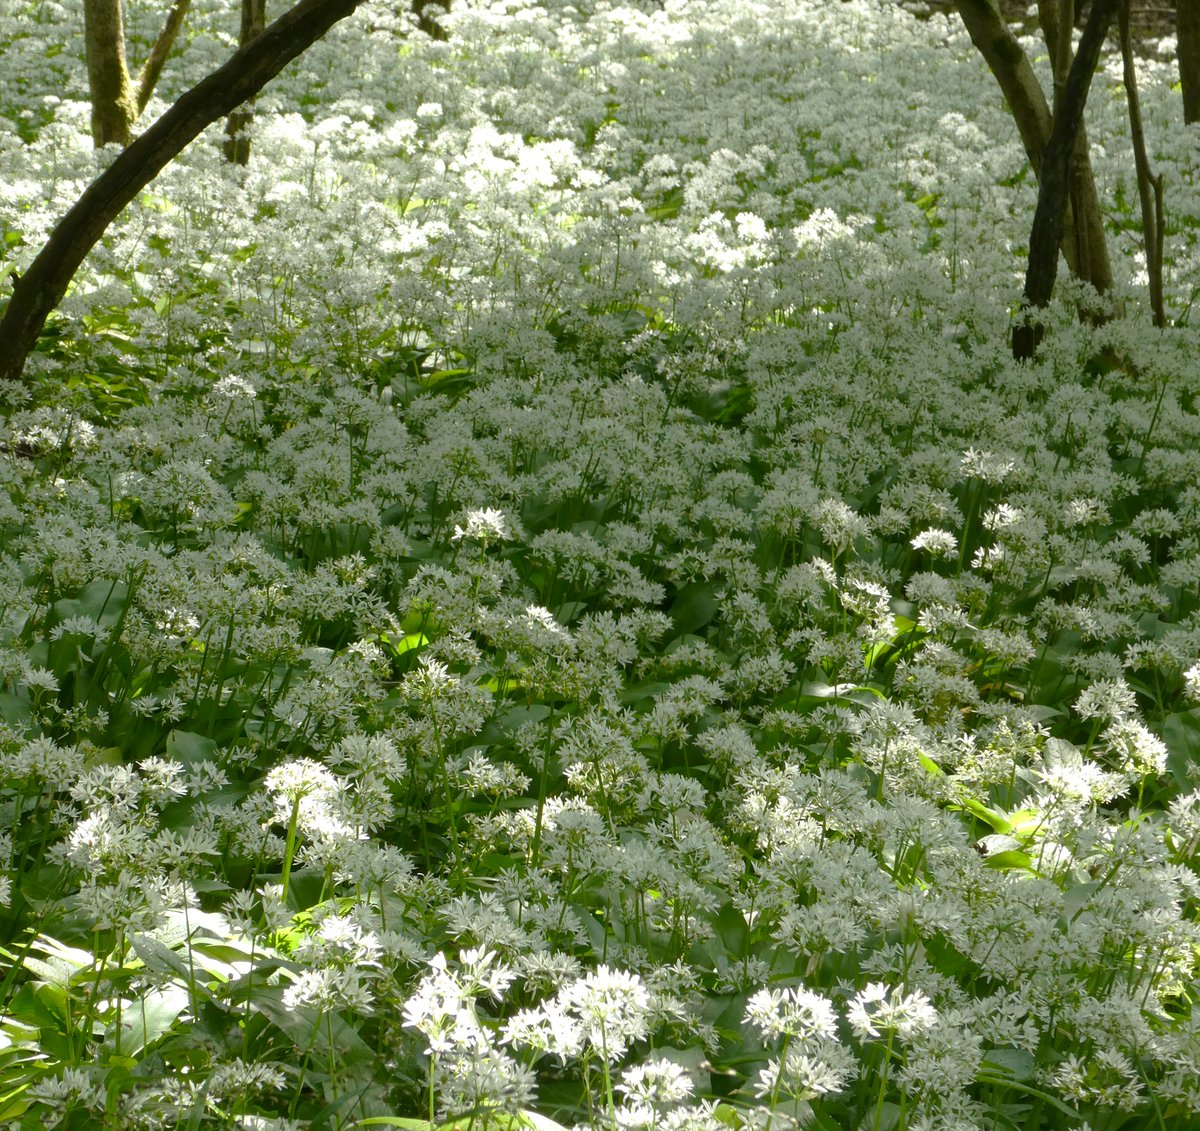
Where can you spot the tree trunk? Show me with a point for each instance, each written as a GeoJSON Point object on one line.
{"type": "Point", "coordinates": [42, 287]}
{"type": "Point", "coordinates": [117, 100]}
{"type": "Point", "coordinates": [1150, 186]}
{"type": "Point", "coordinates": [1083, 245]}
{"type": "Point", "coordinates": [150, 70]}
{"type": "Point", "coordinates": [1083, 223]}
{"type": "Point", "coordinates": [114, 105]}
{"type": "Point", "coordinates": [1187, 27]}
{"type": "Point", "coordinates": [1053, 186]}
{"type": "Point", "coordinates": [237, 142]}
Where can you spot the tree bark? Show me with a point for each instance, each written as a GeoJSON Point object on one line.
{"type": "Point", "coordinates": [237, 142]}
{"type": "Point", "coordinates": [1084, 245]}
{"type": "Point", "coordinates": [1187, 27]}
{"type": "Point", "coordinates": [42, 287]}
{"type": "Point", "coordinates": [1007, 61]}
{"type": "Point", "coordinates": [114, 105]}
{"type": "Point", "coordinates": [1046, 236]}
{"type": "Point", "coordinates": [117, 99]}
{"type": "Point", "coordinates": [151, 69]}
{"type": "Point", "coordinates": [1150, 186]}
{"type": "Point", "coordinates": [1083, 222]}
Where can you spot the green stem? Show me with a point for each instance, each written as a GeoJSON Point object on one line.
{"type": "Point", "coordinates": [289, 850]}
{"type": "Point", "coordinates": [883, 1080]}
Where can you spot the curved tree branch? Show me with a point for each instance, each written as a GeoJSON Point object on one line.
{"type": "Point", "coordinates": [42, 287]}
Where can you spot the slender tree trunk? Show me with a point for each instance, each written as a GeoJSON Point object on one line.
{"type": "Point", "coordinates": [1187, 28]}
{"type": "Point", "coordinates": [1083, 224]}
{"type": "Point", "coordinates": [150, 70]}
{"type": "Point", "coordinates": [1053, 186]}
{"type": "Point", "coordinates": [1010, 66]}
{"type": "Point", "coordinates": [42, 287]}
{"type": "Point", "coordinates": [237, 141]}
{"type": "Point", "coordinates": [117, 99]}
{"type": "Point", "coordinates": [114, 104]}
{"type": "Point", "coordinates": [1150, 186]}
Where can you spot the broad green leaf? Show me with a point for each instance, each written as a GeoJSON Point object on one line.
{"type": "Point", "coordinates": [1010, 1063]}
{"type": "Point", "coordinates": [101, 601]}
{"type": "Point", "coordinates": [855, 693]}
{"type": "Point", "coordinates": [991, 817]}
{"type": "Point", "coordinates": [299, 1024]}
{"type": "Point", "coordinates": [147, 1018]}
{"type": "Point", "coordinates": [1181, 733]}
{"type": "Point", "coordinates": [406, 643]}
{"type": "Point", "coordinates": [14, 709]}
{"type": "Point", "coordinates": [1076, 898]}
{"type": "Point", "coordinates": [694, 606]}
{"type": "Point", "coordinates": [158, 957]}
{"type": "Point", "coordinates": [733, 931]}
{"type": "Point", "coordinates": [885, 1119]}
{"type": "Point", "coordinates": [189, 748]}
{"type": "Point", "coordinates": [1003, 861]}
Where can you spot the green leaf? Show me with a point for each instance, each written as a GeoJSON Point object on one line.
{"type": "Point", "coordinates": [187, 747]}
{"type": "Point", "coordinates": [991, 817]}
{"type": "Point", "coordinates": [1009, 1063]}
{"type": "Point", "coordinates": [814, 690]}
{"type": "Point", "coordinates": [1076, 898]}
{"type": "Point", "coordinates": [394, 1121]}
{"type": "Point", "coordinates": [694, 606]}
{"type": "Point", "coordinates": [14, 709]}
{"type": "Point", "coordinates": [158, 957]}
{"type": "Point", "coordinates": [101, 601]}
{"type": "Point", "coordinates": [733, 931]}
{"type": "Point", "coordinates": [885, 1119]}
{"type": "Point", "coordinates": [1181, 733]}
{"type": "Point", "coordinates": [408, 643]}
{"type": "Point", "coordinates": [1017, 1086]}
{"type": "Point", "coordinates": [148, 1018]}
{"type": "Point", "coordinates": [1003, 861]}
{"type": "Point", "coordinates": [300, 1023]}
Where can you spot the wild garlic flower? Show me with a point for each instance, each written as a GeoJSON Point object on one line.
{"type": "Point", "coordinates": [444, 1012]}
{"type": "Point", "coordinates": [1191, 681]}
{"type": "Point", "coordinates": [309, 790]}
{"type": "Point", "coordinates": [613, 1007]}
{"type": "Point", "coordinates": [478, 1080]}
{"type": "Point", "coordinates": [1106, 699]}
{"type": "Point", "coordinates": [807, 1072]}
{"type": "Point", "coordinates": [657, 1083]}
{"type": "Point", "coordinates": [839, 524]}
{"type": "Point", "coordinates": [234, 388]}
{"type": "Point", "coordinates": [328, 988]}
{"type": "Point", "coordinates": [548, 1028]}
{"type": "Point", "coordinates": [72, 1087]}
{"type": "Point", "coordinates": [1084, 512]}
{"type": "Point", "coordinates": [1135, 749]}
{"type": "Point", "coordinates": [605, 1010]}
{"type": "Point", "coordinates": [938, 543]}
{"type": "Point", "coordinates": [794, 1012]}
{"type": "Point", "coordinates": [484, 526]}
{"type": "Point", "coordinates": [1108, 1079]}
{"type": "Point", "coordinates": [877, 1009]}
{"type": "Point", "coordinates": [987, 466]}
